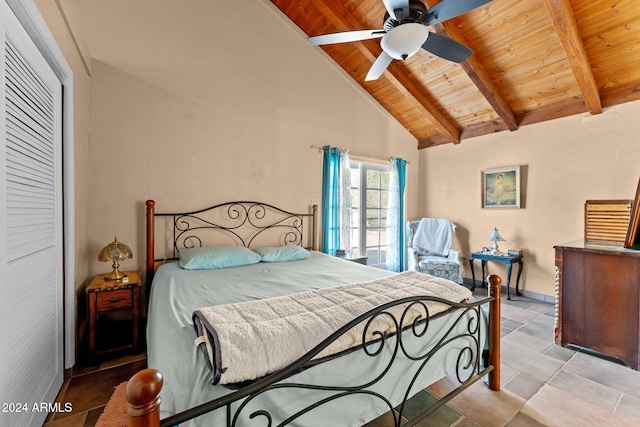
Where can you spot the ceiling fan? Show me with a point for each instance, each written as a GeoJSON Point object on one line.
{"type": "Point", "coordinates": [404, 32]}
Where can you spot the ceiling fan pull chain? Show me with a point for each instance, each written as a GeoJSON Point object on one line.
{"type": "Point", "coordinates": [427, 16]}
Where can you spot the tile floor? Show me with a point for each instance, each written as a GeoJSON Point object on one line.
{"type": "Point", "coordinates": [542, 384]}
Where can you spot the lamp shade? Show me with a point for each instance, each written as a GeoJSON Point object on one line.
{"type": "Point", "coordinates": [116, 252]}
{"type": "Point", "coordinates": [495, 237]}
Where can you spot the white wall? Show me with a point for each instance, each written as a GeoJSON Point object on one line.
{"type": "Point", "coordinates": [150, 143]}
{"type": "Point", "coordinates": [565, 162]}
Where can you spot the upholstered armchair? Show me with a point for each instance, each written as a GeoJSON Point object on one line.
{"type": "Point", "coordinates": [429, 248]}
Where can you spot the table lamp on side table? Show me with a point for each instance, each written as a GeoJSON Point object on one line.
{"type": "Point", "coordinates": [116, 252]}
{"type": "Point", "coordinates": [495, 237]}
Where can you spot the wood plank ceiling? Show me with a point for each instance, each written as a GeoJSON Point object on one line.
{"type": "Point", "coordinates": [534, 60]}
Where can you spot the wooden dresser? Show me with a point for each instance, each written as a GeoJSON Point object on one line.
{"type": "Point", "coordinates": [598, 291]}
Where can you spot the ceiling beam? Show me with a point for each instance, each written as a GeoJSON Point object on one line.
{"type": "Point", "coordinates": [468, 132]}
{"type": "Point", "coordinates": [565, 108]}
{"type": "Point", "coordinates": [620, 94]}
{"type": "Point", "coordinates": [394, 75]}
{"type": "Point", "coordinates": [478, 74]}
{"type": "Point", "coordinates": [567, 30]}
{"type": "Point", "coordinates": [397, 76]}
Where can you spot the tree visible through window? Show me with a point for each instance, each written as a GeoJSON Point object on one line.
{"type": "Point", "coordinates": [369, 211]}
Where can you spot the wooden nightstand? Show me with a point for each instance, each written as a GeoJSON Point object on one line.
{"type": "Point", "coordinates": [105, 296]}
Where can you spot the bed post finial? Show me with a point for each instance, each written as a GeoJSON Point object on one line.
{"type": "Point", "coordinates": [143, 395]}
{"type": "Point", "coordinates": [494, 331]}
{"type": "Point", "coordinates": [314, 234]}
{"type": "Point", "coordinates": [150, 243]}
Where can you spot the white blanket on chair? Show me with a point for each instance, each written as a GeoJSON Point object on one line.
{"type": "Point", "coordinates": [434, 235]}
{"type": "Point", "coordinates": [248, 340]}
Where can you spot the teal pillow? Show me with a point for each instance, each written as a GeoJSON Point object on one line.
{"type": "Point", "coordinates": [282, 253]}
{"type": "Point", "coordinates": [212, 257]}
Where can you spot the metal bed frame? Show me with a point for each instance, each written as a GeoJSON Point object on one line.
{"type": "Point", "coordinates": [474, 361]}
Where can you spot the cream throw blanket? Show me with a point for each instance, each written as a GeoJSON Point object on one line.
{"type": "Point", "coordinates": [435, 235]}
{"type": "Point", "coordinates": [248, 340]}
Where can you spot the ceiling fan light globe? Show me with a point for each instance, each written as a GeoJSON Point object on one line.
{"type": "Point", "coordinates": [404, 40]}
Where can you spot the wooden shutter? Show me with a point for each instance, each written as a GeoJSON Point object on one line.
{"type": "Point", "coordinates": [606, 221]}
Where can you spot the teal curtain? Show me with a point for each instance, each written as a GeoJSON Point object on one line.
{"type": "Point", "coordinates": [395, 230]}
{"type": "Point", "coordinates": [402, 180]}
{"type": "Point", "coordinates": [330, 200]}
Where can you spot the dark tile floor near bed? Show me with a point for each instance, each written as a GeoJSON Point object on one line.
{"type": "Point", "coordinates": [542, 384]}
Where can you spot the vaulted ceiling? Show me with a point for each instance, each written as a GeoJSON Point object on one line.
{"type": "Point", "coordinates": [534, 60]}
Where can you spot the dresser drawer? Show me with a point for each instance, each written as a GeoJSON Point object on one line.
{"type": "Point", "coordinates": [113, 300]}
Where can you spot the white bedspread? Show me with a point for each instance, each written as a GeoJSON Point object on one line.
{"type": "Point", "coordinates": [248, 340]}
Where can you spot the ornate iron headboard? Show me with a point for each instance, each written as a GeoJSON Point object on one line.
{"type": "Point", "coordinates": [241, 223]}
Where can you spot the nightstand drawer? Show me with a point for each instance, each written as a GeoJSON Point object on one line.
{"type": "Point", "coordinates": [113, 300]}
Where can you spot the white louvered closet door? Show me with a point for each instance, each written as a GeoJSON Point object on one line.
{"type": "Point", "coordinates": [31, 322]}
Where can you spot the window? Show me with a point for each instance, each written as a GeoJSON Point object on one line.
{"type": "Point", "coordinates": [369, 211]}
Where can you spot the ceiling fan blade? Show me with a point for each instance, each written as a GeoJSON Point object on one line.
{"type": "Point", "coordinates": [393, 5]}
{"type": "Point", "coordinates": [381, 63]}
{"type": "Point", "coordinates": [448, 9]}
{"type": "Point", "coordinates": [446, 48]}
{"type": "Point", "coordinates": [347, 36]}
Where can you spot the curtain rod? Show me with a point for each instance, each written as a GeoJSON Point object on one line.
{"type": "Point", "coordinates": [356, 154]}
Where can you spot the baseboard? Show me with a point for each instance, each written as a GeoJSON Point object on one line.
{"type": "Point", "coordinates": [540, 297]}
{"type": "Point", "coordinates": [528, 294]}
{"type": "Point", "coordinates": [68, 373]}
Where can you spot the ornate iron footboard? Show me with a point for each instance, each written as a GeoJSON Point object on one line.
{"type": "Point", "coordinates": [473, 362]}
